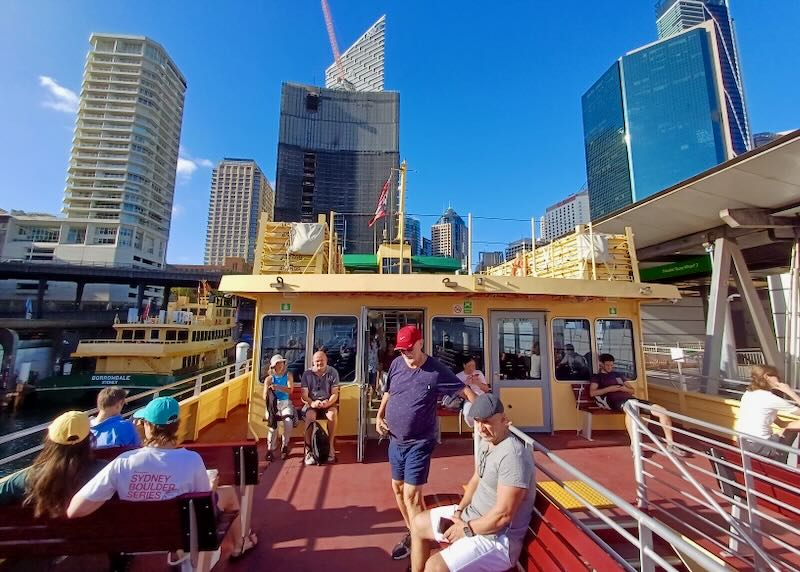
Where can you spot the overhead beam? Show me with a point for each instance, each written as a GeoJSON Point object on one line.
{"type": "Point", "coordinates": [694, 240]}
{"type": "Point", "coordinates": [756, 218]}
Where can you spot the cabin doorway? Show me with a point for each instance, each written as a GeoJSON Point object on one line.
{"type": "Point", "coordinates": [520, 370]}
{"type": "Point", "coordinates": [380, 327]}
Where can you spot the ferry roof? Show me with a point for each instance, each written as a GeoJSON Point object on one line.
{"type": "Point", "coordinates": [478, 285]}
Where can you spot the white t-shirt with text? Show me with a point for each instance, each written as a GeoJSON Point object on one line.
{"type": "Point", "coordinates": [758, 411]}
{"type": "Point", "coordinates": [149, 474]}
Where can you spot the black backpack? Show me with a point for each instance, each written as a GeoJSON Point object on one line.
{"type": "Point", "coordinates": [317, 443]}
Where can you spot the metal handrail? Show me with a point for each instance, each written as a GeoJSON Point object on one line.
{"type": "Point", "coordinates": [198, 385]}
{"type": "Point", "coordinates": [686, 480]}
{"type": "Point", "coordinates": [647, 552]}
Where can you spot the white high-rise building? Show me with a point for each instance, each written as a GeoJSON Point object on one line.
{"type": "Point", "coordinates": [362, 62]}
{"type": "Point", "coordinates": [121, 178]}
{"type": "Point", "coordinates": [239, 194]}
{"type": "Point", "coordinates": [562, 217]}
{"type": "Point", "coordinates": [449, 236]}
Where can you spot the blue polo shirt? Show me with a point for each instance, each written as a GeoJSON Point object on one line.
{"type": "Point", "coordinates": [114, 432]}
{"type": "Point", "coordinates": [413, 393]}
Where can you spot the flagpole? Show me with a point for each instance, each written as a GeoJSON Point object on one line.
{"type": "Point", "coordinates": [402, 217]}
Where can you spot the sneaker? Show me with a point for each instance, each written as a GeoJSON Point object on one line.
{"type": "Point", "coordinates": [269, 456]}
{"type": "Point", "coordinates": [285, 453]}
{"type": "Point", "coordinates": [402, 549]}
{"type": "Point", "coordinates": [309, 460]}
{"type": "Point", "coordinates": [332, 457]}
{"type": "Point", "coordinates": [677, 451]}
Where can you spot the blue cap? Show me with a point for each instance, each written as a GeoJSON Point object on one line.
{"type": "Point", "coordinates": [160, 411]}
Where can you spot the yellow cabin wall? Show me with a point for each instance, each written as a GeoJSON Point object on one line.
{"type": "Point", "coordinates": [564, 415]}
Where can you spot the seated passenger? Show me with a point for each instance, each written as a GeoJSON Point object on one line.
{"type": "Point", "coordinates": [158, 471]}
{"type": "Point", "coordinates": [475, 380]}
{"type": "Point", "coordinates": [485, 531]}
{"type": "Point", "coordinates": [611, 390]}
{"type": "Point", "coordinates": [759, 410]}
{"type": "Point", "coordinates": [321, 397]}
{"type": "Point", "coordinates": [109, 428]}
{"type": "Point", "coordinates": [574, 363]}
{"type": "Point", "coordinates": [64, 465]}
{"type": "Point", "coordinates": [280, 381]}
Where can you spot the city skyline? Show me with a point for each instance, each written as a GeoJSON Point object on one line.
{"type": "Point", "coordinates": [448, 157]}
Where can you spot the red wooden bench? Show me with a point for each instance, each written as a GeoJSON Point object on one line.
{"type": "Point", "coordinates": [186, 523]}
{"type": "Point", "coordinates": [587, 407]}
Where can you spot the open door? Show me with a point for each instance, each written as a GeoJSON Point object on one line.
{"type": "Point", "coordinates": [363, 395]}
{"type": "Point", "coordinates": [520, 369]}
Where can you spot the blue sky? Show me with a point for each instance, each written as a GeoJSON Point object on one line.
{"type": "Point", "coordinates": [490, 91]}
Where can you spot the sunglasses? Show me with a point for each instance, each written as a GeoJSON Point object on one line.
{"type": "Point", "coordinates": [482, 463]}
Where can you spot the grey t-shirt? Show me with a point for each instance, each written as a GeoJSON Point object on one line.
{"type": "Point", "coordinates": [507, 463]}
{"type": "Point", "coordinates": [320, 386]}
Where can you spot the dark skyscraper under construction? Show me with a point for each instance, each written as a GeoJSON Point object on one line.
{"type": "Point", "coordinates": [336, 149]}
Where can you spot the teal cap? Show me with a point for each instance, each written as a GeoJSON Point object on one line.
{"type": "Point", "coordinates": [160, 411]}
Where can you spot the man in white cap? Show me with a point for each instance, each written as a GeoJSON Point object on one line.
{"type": "Point", "coordinates": [485, 531]}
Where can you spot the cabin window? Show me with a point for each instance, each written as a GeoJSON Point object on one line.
{"type": "Point", "coordinates": [615, 337]}
{"type": "Point", "coordinates": [456, 339]}
{"type": "Point", "coordinates": [183, 335]}
{"type": "Point", "coordinates": [154, 334]}
{"type": "Point", "coordinates": [127, 334]}
{"type": "Point", "coordinates": [138, 334]}
{"type": "Point", "coordinates": [519, 340]}
{"type": "Point", "coordinates": [337, 337]}
{"type": "Point", "coordinates": [285, 335]}
{"type": "Point", "coordinates": [194, 336]}
{"type": "Point", "coordinates": [572, 349]}
{"type": "Point", "coordinates": [171, 335]}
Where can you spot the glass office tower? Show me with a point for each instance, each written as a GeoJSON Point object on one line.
{"type": "Point", "coordinates": [336, 149]}
{"type": "Point", "coordinates": [658, 114]}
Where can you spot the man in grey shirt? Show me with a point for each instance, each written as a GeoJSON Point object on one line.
{"type": "Point", "coordinates": [486, 529]}
{"type": "Point", "coordinates": [320, 386]}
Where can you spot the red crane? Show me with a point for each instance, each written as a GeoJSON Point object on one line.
{"type": "Point", "coordinates": [326, 11]}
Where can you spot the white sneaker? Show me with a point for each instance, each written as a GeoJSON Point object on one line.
{"type": "Point", "coordinates": [309, 459]}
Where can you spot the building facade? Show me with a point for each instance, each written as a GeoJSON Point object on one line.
{"type": "Point", "coordinates": [427, 246]}
{"type": "Point", "coordinates": [518, 247]}
{"type": "Point", "coordinates": [240, 193]}
{"type": "Point", "coordinates": [449, 236]}
{"type": "Point", "coordinates": [675, 16]}
{"type": "Point", "coordinates": [654, 119]}
{"type": "Point", "coordinates": [336, 149]}
{"type": "Point", "coordinates": [413, 234]}
{"type": "Point", "coordinates": [362, 63]}
{"type": "Point", "coordinates": [562, 217]}
{"type": "Point", "coordinates": [489, 259]}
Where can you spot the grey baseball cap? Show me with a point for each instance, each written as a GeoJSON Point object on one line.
{"type": "Point", "coordinates": [485, 406]}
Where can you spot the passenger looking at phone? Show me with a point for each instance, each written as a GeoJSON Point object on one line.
{"type": "Point", "coordinates": [485, 531]}
{"type": "Point", "coordinates": [475, 380]}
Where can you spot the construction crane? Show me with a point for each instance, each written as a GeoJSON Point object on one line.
{"type": "Point", "coordinates": [326, 12]}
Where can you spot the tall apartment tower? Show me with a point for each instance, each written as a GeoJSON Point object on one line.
{"type": "Point", "coordinates": [675, 16]}
{"type": "Point", "coordinates": [336, 149]}
{"type": "Point", "coordinates": [518, 247]}
{"type": "Point", "coordinates": [413, 234]}
{"type": "Point", "coordinates": [449, 236]}
{"type": "Point", "coordinates": [362, 62]}
{"type": "Point", "coordinates": [655, 118]}
{"type": "Point", "coordinates": [240, 193]}
{"type": "Point", "coordinates": [562, 217]}
{"type": "Point", "coordinates": [121, 178]}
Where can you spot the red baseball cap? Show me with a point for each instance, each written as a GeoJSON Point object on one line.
{"type": "Point", "coordinates": [407, 337]}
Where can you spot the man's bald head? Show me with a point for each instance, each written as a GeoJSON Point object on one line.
{"type": "Point", "coordinates": [319, 362]}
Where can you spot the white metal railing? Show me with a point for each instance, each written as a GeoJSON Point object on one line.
{"type": "Point", "coordinates": [647, 525]}
{"type": "Point", "coordinates": [180, 390]}
{"type": "Point", "coordinates": [717, 495]}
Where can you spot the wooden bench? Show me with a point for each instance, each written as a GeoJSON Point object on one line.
{"type": "Point", "coordinates": [587, 407]}
{"type": "Point", "coordinates": [237, 463]}
{"type": "Point", "coordinates": [188, 523]}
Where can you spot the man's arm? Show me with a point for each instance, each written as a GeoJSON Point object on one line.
{"type": "Point", "coordinates": [334, 398]}
{"type": "Point", "coordinates": [380, 419]}
{"type": "Point", "coordinates": [501, 514]}
{"type": "Point", "coordinates": [450, 384]}
{"type": "Point", "coordinates": [595, 391]}
{"type": "Point", "coordinates": [469, 490]}
{"type": "Point", "coordinates": [80, 506]}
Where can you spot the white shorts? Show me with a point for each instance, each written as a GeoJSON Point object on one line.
{"type": "Point", "coordinates": [471, 554]}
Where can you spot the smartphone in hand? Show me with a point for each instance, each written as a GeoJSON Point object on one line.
{"type": "Point", "coordinates": [444, 524]}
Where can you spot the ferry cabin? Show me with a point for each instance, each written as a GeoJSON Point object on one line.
{"type": "Point", "coordinates": [533, 337]}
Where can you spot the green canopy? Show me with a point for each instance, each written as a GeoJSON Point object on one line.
{"type": "Point", "coordinates": [432, 264]}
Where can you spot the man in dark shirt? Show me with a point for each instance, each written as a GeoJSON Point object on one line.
{"type": "Point", "coordinates": [611, 390]}
{"type": "Point", "coordinates": [408, 415]}
{"type": "Point", "coordinates": [320, 386]}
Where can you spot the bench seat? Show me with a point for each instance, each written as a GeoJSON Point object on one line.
{"type": "Point", "coordinates": [587, 407]}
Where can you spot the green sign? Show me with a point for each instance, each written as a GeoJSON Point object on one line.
{"type": "Point", "coordinates": [612, 310]}
{"type": "Point", "coordinates": [286, 307]}
{"type": "Point", "coordinates": [467, 306]}
{"type": "Point", "coordinates": [698, 265]}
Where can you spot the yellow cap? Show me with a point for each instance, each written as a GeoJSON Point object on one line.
{"type": "Point", "coordinates": [69, 428]}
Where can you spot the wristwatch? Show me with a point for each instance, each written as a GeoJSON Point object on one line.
{"type": "Point", "coordinates": [468, 531]}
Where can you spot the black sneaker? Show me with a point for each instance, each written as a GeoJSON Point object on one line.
{"type": "Point", "coordinates": [285, 453]}
{"type": "Point", "coordinates": [269, 456]}
{"type": "Point", "coordinates": [402, 549]}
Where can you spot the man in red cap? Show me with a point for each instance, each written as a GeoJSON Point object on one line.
{"type": "Point", "coordinates": [408, 415]}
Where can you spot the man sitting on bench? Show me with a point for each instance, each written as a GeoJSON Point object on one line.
{"type": "Point", "coordinates": [485, 531]}
{"type": "Point", "coordinates": [611, 390]}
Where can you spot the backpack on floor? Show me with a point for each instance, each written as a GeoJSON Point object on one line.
{"type": "Point", "coordinates": [317, 443]}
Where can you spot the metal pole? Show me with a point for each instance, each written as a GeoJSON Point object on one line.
{"type": "Point", "coordinates": [469, 244]}
{"type": "Point", "coordinates": [401, 212]}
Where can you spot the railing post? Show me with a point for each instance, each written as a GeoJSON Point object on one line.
{"type": "Point", "coordinates": [645, 534]}
{"type": "Point", "coordinates": [198, 385]}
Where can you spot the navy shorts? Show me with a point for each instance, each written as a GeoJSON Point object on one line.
{"type": "Point", "coordinates": [411, 461]}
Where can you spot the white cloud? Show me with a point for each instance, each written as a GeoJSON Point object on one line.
{"type": "Point", "coordinates": [178, 210]}
{"type": "Point", "coordinates": [61, 98]}
{"type": "Point", "coordinates": [187, 165]}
